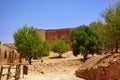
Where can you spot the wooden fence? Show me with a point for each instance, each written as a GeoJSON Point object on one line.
{"type": "Point", "coordinates": [12, 71]}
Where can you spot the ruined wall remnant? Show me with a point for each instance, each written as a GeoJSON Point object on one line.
{"type": "Point", "coordinates": [8, 54]}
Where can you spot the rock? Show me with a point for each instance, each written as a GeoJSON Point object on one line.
{"type": "Point", "coordinates": [42, 72]}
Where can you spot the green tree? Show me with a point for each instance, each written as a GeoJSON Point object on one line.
{"type": "Point", "coordinates": [100, 29]}
{"type": "Point", "coordinates": [112, 19]}
{"type": "Point", "coordinates": [59, 46]}
{"type": "Point", "coordinates": [29, 44]}
{"type": "Point", "coordinates": [84, 41]}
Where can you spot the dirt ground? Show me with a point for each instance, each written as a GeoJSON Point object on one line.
{"type": "Point", "coordinates": [54, 68]}
{"type": "Point", "coordinates": [65, 68]}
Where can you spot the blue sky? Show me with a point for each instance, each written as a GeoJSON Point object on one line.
{"type": "Point", "coordinates": [48, 14]}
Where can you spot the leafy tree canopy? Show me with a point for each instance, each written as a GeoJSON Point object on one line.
{"type": "Point", "coordinates": [98, 27]}
{"type": "Point", "coordinates": [29, 44]}
{"type": "Point", "coordinates": [84, 41]}
{"type": "Point", "coordinates": [112, 19]}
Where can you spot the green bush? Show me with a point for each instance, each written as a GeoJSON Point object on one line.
{"type": "Point", "coordinates": [59, 46]}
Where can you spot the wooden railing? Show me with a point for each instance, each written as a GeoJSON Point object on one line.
{"type": "Point", "coordinates": [12, 71]}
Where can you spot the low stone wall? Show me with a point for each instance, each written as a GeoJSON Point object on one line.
{"type": "Point", "coordinates": [103, 72]}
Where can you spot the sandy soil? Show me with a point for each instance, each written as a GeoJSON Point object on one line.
{"type": "Point", "coordinates": [52, 76]}
{"type": "Point", "coordinates": [54, 68]}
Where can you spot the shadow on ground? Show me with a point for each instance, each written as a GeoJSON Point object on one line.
{"type": "Point", "coordinates": [57, 57]}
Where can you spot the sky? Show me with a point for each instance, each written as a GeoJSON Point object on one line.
{"type": "Point", "coordinates": [48, 14]}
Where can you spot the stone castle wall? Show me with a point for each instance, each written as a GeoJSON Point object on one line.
{"type": "Point", "coordinates": [51, 35]}
{"type": "Point", "coordinates": [42, 33]}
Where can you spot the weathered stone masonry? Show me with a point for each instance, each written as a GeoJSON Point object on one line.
{"type": "Point", "coordinates": [8, 54]}
{"type": "Point", "coordinates": [53, 34]}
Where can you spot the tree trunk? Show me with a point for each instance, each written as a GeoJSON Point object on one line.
{"type": "Point", "coordinates": [112, 51]}
{"type": "Point", "coordinates": [116, 47]}
{"type": "Point", "coordinates": [30, 62]}
{"type": "Point", "coordinates": [60, 55]}
{"type": "Point", "coordinates": [20, 60]}
{"type": "Point", "coordinates": [85, 56]}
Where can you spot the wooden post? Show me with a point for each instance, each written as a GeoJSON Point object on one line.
{"type": "Point", "coordinates": [19, 67]}
{"type": "Point", "coordinates": [25, 70]}
{"type": "Point", "coordinates": [17, 73]}
{"type": "Point", "coordinates": [8, 75]}
{"type": "Point", "coordinates": [1, 72]}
